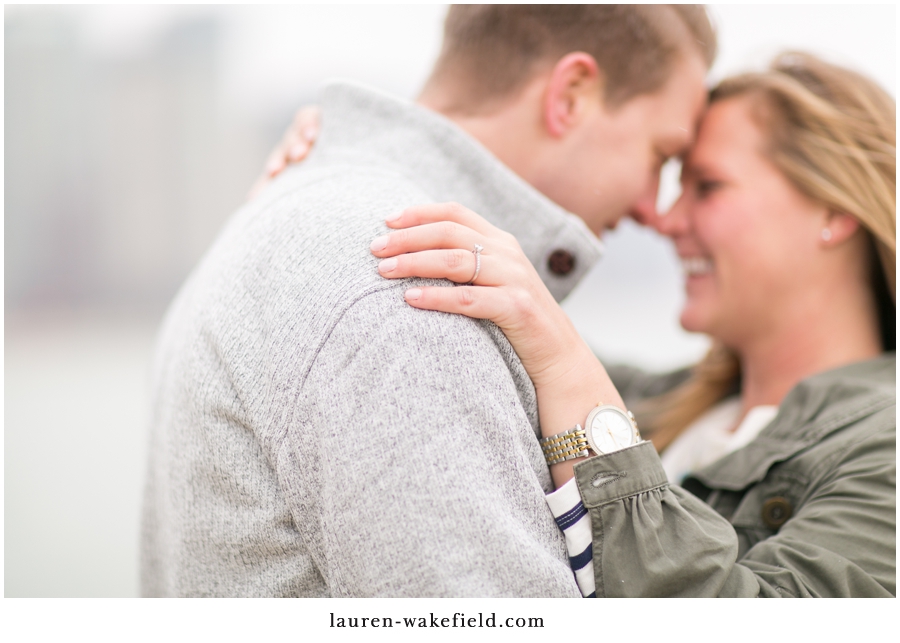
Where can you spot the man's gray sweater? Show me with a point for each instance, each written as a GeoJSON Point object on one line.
{"type": "Point", "coordinates": [312, 434]}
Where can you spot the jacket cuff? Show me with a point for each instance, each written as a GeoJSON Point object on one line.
{"type": "Point", "coordinates": [614, 476]}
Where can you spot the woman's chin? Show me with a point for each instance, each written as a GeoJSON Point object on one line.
{"type": "Point", "coordinates": [694, 321]}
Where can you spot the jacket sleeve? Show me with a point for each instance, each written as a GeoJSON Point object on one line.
{"type": "Point", "coordinates": [414, 469]}
{"type": "Point", "coordinates": [656, 539]}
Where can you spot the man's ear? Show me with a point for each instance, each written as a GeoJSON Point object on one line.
{"type": "Point", "coordinates": [839, 227]}
{"type": "Point", "coordinates": [575, 84]}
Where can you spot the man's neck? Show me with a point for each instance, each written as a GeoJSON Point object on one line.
{"type": "Point", "coordinates": [510, 129]}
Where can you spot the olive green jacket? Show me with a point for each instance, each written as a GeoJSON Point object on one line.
{"type": "Point", "coordinates": [806, 509]}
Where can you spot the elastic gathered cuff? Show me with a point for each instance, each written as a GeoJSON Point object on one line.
{"type": "Point", "coordinates": [614, 476]}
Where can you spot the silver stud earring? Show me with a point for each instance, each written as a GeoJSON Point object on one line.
{"type": "Point", "coordinates": [826, 234]}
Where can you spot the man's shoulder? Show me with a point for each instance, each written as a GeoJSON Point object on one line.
{"type": "Point", "coordinates": [378, 317]}
{"type": "Point", "coordinates": [380, 321]}
{"type": "Point", "coordinates": [333, 203]}
{"type": "Point", "coordinates": [286, 265]}
{"type": "Point", "coordinates": [329, 184]}
{"type": "Point", "coordinates": [310, 231]}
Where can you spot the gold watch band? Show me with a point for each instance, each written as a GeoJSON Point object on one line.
{"type": "Point", "coordinates": [567, 445]}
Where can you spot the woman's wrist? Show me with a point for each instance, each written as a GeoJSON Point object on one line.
{"type": "Point", "coordinates": [566, 396]}
{"type": "Point", "coordinates": [572, 379]}
{"type": "Point", "coordinates": [559, 351]}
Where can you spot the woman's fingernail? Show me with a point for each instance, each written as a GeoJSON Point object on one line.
{"type": "Point", "coordinates": [395, 216]}
{"type": "Point", "coordinates": [310, 133]}
{"type": "Point", "coordinates": [297, 151]}
{"type": "Point", "coordinates": [413, 293]}
{"type": "Point", "coordinates": [388, 265]}
{"type": "Point", "coordinates": [274, 166]}
{"type": "Point", "coordinates": [379, 244]}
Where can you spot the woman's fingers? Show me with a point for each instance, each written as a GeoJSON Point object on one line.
{"type": "Point", "coordinates": [306, 123]}
{"type": "Point", "coordinates": [301, 135]}
{"type": "Point", "coordinates": [436, 212]}
{"type": "Point", "coordinates": [480, 303]}
{"type": "Point", "coordinates": [277, 160]}
{"type": "Point", "coordinates": [296, 143]}
{"type": "Point", "coordinates": [430, 236]}
{"type": "Point", "coordinates": [455, 265]}
{"type": "Point", "coordinates": [297, 150]}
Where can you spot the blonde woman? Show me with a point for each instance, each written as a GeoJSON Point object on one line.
{"type": "Point", "coordinates": [782, 441]}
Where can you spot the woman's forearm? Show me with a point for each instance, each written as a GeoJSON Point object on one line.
{"type": "Point", "coordinates": [566, 395]}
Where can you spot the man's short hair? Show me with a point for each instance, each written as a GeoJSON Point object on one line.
{"type": "Point", "coordinates": [493, 50]}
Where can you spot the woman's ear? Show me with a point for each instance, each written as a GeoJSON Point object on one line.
{"type": "Point", "coordinates": [839, 227]}
{"type": "Point", "coordinates": [575, 82]}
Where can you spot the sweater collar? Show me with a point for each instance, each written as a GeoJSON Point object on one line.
{"type": "Point", "coordinates": [360, 123]}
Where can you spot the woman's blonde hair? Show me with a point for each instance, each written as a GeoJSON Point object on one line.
{"type": "Point", "coordinates": [832, 133]}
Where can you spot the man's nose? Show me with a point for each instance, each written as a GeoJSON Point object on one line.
{"type": "Point", "coordinates": [675, 221]}
{"type": "Point", "coordinates": [644, 209]}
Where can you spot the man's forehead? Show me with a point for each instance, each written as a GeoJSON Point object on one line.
{"type": "Point", "coordinates": [685, 104]}
{"type": "Point", "coordinates": [681, 131]}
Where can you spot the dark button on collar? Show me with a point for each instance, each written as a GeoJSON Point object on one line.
{"type": "Point", "coordinates": [561, 262]}
{"type": "Point", "coordinates": [776, 511]}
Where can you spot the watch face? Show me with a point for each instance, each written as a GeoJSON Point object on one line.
{"type": "Point", "coordinates": [609, 429]}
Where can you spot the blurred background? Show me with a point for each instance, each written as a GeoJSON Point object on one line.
{"type": "Point", "coordinates": [132, 132]}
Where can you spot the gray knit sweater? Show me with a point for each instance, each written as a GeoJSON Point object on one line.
{"type": "Point", "coordinates": [312, 434]}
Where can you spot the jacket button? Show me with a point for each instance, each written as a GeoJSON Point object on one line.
{"type": "Point", "coordinates": [561, 262]}
{"type": "Point", "coordinates": [776, 511]}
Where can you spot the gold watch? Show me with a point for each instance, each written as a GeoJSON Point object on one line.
{"type": "Point", "coordinates": [607, 429]}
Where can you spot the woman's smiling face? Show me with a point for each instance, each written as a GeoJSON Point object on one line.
{"type": "Point", "coordinates": [746, 236]}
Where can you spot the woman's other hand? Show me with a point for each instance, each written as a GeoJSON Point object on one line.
{"type": "Point", "coordinates": [293, 147]}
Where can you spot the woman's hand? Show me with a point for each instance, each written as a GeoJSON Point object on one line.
{"type": "Point", "coordinates": [438, 240]}
{"type": "Point", "coordinates": [293, 147]}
